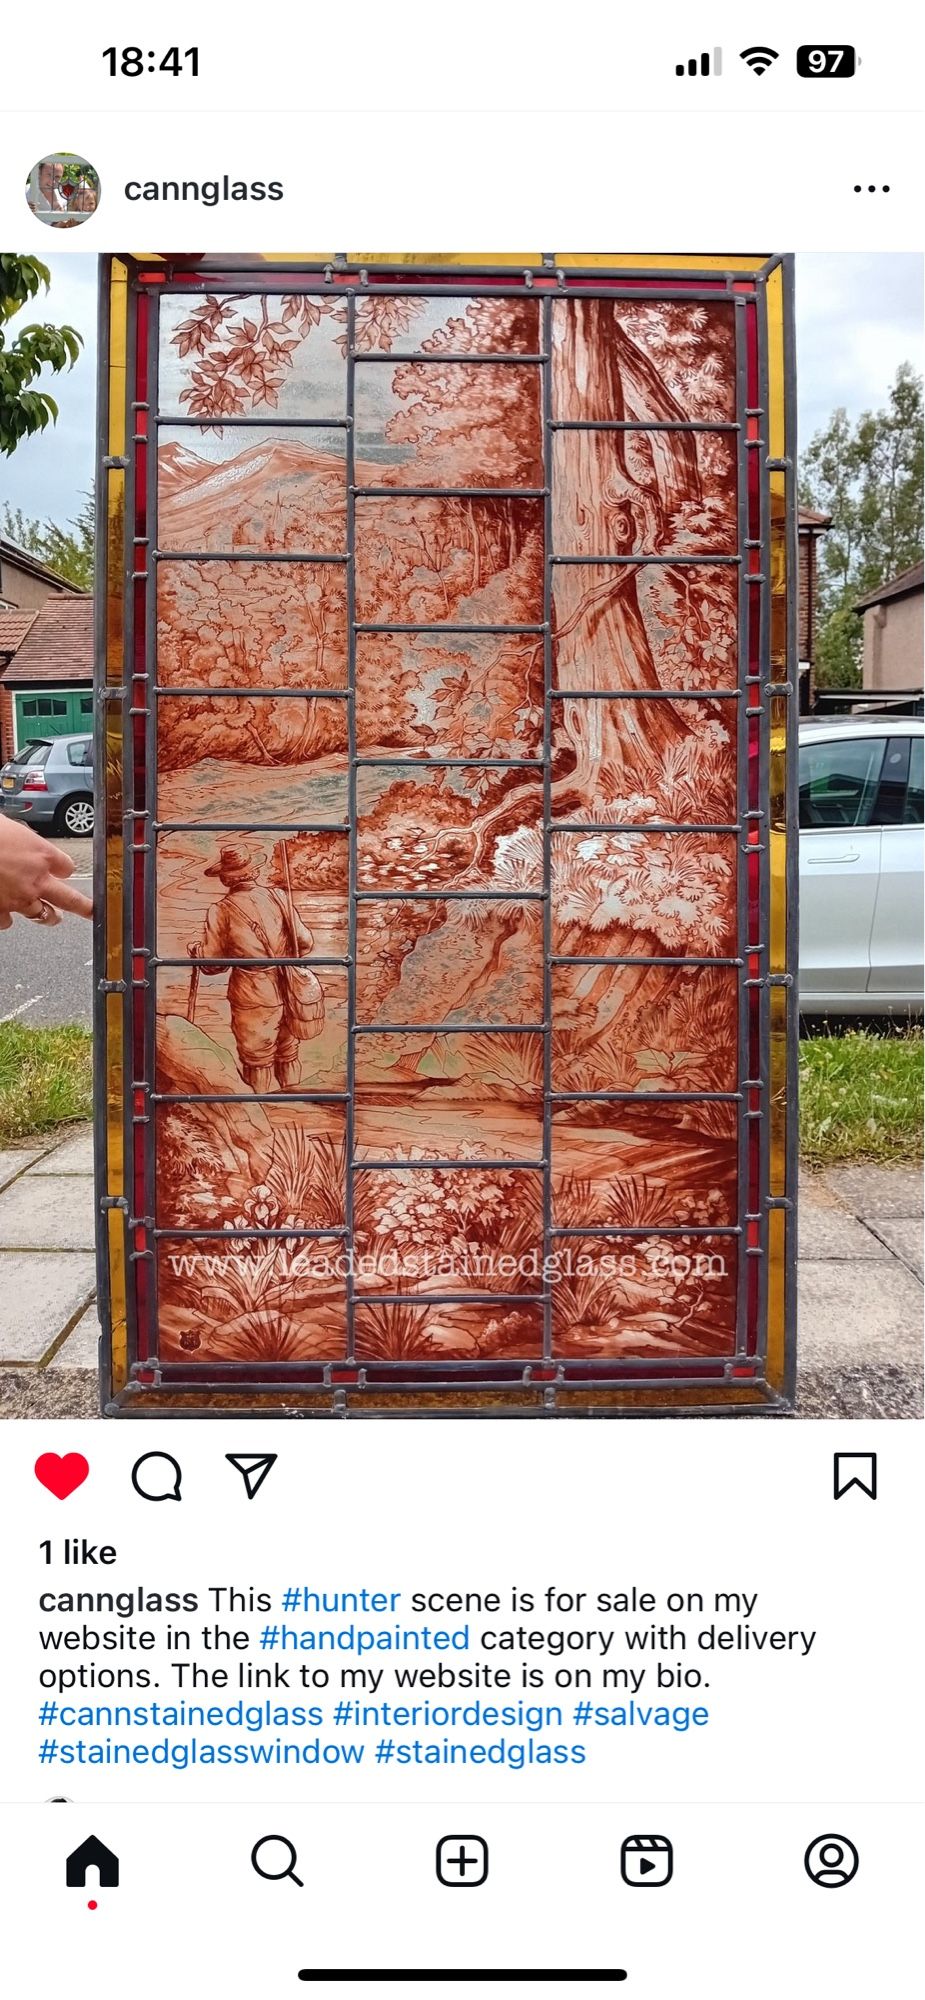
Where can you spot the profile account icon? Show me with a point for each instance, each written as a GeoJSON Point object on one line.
{"type": "Point", "coordinates": [831, 1861]}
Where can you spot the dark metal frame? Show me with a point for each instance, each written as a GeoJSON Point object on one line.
{"type": "Point", "coordinates": [548, 1386]}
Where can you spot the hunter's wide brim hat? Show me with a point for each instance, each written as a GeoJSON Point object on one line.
{"type": "Point", "coordinates": [237, 860]}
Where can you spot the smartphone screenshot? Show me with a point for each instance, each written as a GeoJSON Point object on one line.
{"type": "Point", "coordinates": [461, 997]}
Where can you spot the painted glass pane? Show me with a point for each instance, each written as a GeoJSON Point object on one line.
{"type": "Point", "coordinates": [287, 758]}
{"type": "Point", "coordinates": [449, 561]}
{"type": "Point", "coordinates": [617, 627]}
{"type": "Point", "coordinates": [236, 357]}
{"type": "Point", "coordinates": [643, 361]}
{"type": "Point", "coordinates": [245, 624]}
{"type": "Point", "coordinates": [652, 1297]}
{"type": "Point", "coordinates": [431, 694]}
{"type": "Point", "coordinates": [274, 491]}
{"type": "Point", "coordinates": [448, 424]}
{"type": "Point", "coordinates": [636, 761]}
{"type": "Point", "coordinates": [261, 1300]}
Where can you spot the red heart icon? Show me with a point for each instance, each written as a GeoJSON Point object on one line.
{"type": "Point", "coordinates": [62, 1476]}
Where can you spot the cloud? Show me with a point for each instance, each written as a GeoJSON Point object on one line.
{"type": "Point", "coordinates": [857, 318]}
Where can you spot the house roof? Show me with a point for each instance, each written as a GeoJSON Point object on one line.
{"type": "Point", "coordinates": [13, 628]}
{"type": "Point", "coordinates": [807, 517]}
{"type": "Point", "coordinates": [904, 585]}
{"type": "Point", "coordinates": [58, 646]}
{"type": "Point", "coordinates": [21, 559]}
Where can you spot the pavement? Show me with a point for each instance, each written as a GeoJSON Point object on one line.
{"type": "Point", "coordinates": [860, 1286]}
{"type": "Point", "coordinates": [45, 980]}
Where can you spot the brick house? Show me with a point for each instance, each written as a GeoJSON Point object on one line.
{"type": "Point", "coordinates": [892, 647]}
{"type": "Point", "coordinates": [26, 583]}
{"type": "Point", "coordinates": [46, 673]}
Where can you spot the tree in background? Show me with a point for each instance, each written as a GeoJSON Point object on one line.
{"type": "Point", "coordinates": [868, 476]}
{"type": "Point", "coordinates": [25, 409]}
{"type": "Point", "coordinates": [68, 551]}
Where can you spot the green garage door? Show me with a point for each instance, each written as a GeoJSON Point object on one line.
{"type": "Point", "coordinates": [54, 712]}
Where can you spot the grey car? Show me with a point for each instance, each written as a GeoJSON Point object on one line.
{"type": "Point", "coordinates": [49, 784]}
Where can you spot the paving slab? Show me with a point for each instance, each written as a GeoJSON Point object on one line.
{"type": "Point", "coordinates": [37, 1392]}
{"type": "Point", "coordinates": [875, 1190]}
{"type": "Point", "coordinates": [40, 1292]}
{"type": "Point", "coordinates": [15, 1161]}
{"type": "Point", "coordinates": [828, 1229]}
{"type": "Point", "coordinates": [73, 1156]}
{"type": "Point", "coordinates": [47, 1212]}
{"type": "Point", "coordinates": [81, 1347]}
{"type": "Point", "coordinates": [903, 1234]}
{"type": "Point", "coordinates": [849, 1312]}
{"type": "Point", "coordinates": [884, 1391]}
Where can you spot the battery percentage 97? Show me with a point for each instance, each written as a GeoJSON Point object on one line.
{"type": "Point", "coordinates": [839, 59]}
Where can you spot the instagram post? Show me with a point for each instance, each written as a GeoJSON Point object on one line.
{"type": "Point", "coordinates": [461, 1009]}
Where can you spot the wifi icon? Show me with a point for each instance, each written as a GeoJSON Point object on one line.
{"type": "Point", "coordinates": [759, 60]}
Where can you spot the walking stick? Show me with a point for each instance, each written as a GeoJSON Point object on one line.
{"type": "Point", "coordinates": [293, 934]}
{"type": "Point", "coordinates": [193, 990]}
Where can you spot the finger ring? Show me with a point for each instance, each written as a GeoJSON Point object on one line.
{"type": "Point", "coordinates": [45, 914]}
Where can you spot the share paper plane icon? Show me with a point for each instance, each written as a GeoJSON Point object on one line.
{"type": "Point", "coordinates": [253, 1467]}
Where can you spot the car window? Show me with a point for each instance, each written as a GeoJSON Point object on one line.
{"type": "Point", "coordinates": [80, 753]}
{"type": "Point", "coordinates": [839, 780]}
{"type": "Point", "coordinates": [33, 753]}
{"type": "Point", "coordinates": [890, 806]}
{"type": "Point", "coordinates": [913, 812]}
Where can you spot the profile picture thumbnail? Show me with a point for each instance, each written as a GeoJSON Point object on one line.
{"type": "Point", "coordinates": [63, 190]}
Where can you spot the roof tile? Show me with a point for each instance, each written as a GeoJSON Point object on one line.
{"type": "Point", "coordinates": [59, 644]}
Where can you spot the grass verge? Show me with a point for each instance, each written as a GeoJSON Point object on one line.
{"type": "Point", "coordinates": [861, 1097]}
{"type": "Point", "coordinates": [860, 1093]}
{"type": "Point", "coordinates": [45, 1078]}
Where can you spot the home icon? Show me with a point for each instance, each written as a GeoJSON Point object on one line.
{"type": "Point", "coordinates": [92, 1854]}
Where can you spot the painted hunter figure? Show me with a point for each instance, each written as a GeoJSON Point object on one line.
{"type": "Point", "coordinates": [273, 1007]}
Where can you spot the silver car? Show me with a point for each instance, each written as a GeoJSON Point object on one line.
{"type": "Point", "coordinates": [861, 866]}
{"type": "Point", "coordinates": [49, 784]}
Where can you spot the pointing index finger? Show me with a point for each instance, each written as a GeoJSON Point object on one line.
{"type": "Point", "coordinates": [66, 898]}
{"type": "Point", "coordinates": [60, 863]}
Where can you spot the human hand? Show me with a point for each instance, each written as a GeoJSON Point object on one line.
{"type": "Point", "coordinates": [34, 878]}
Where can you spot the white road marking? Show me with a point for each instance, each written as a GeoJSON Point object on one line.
{"type": "Point", "coordinates": [23, 1009]}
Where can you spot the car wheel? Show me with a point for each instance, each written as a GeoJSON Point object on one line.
{"type": "Point", "coordinates": [76, 817]}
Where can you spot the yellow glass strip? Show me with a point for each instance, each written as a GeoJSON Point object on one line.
{"type": "Point", "coordinates": [607, 260]}
{"type": "Point", "coordinates": [502, 259]}
{"type": "Point", "coordinates": [779, 556]}
{"type": "Point", "coordinates": [777, 421]}
{"type": "Point", "coordinates": [626, 260]}
{"type": "Point", "coordinates": [779, 666]}
{"type": "Point", "coordinates": [778, 1224]}
{"type": "Point", "coordinates": [114, 517]}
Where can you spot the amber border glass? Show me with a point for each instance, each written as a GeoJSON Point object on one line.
{"type": "Point", "coordinates": [770, 280]}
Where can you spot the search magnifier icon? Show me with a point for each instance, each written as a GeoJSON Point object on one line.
{"type": "Point", "coordinates": [274, 1857]}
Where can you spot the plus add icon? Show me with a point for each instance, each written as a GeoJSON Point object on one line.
{"type": "Point", "coordinates": [462, 1860]}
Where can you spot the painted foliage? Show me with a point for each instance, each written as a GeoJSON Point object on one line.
{"type": "Point", "coordinates": [382, 930]}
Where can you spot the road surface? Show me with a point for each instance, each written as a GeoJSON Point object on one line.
{"type": "Point", "coordinates": [45, 976]}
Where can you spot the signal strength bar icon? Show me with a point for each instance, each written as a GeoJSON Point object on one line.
{"type": "Point", "coordinates": [703, 65]}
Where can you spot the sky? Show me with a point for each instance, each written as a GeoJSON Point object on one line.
{"type": "Point", "coordinates": [858, 317]}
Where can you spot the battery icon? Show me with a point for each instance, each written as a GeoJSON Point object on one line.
{"type": "Point", "coordinates": [831, 59]}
